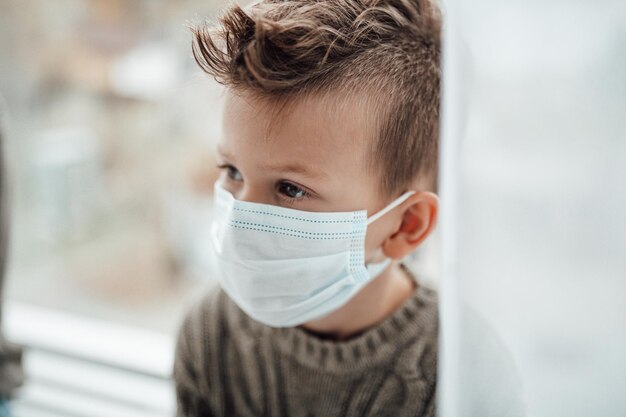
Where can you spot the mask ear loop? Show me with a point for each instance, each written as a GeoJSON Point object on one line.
{"type": "Point", "coordinates": [395, 203]}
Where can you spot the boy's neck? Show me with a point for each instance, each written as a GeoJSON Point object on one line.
{"type": "Point", "coordinates": [376, 301]}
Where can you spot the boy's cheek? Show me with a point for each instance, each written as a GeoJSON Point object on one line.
{"type": "Point", "coordinates": [377, 233]}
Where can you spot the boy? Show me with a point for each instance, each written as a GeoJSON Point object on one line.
{"type": "Point", "coordinates": [329, 166]}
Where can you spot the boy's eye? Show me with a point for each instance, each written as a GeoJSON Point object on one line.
{"type": "Point", "coordinates": [291, 191]}
{"type": "Point", "coordinates": [232, 173]}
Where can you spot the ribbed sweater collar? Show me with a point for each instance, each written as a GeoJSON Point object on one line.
{"type": "Point", "coordinates": [416, 317]}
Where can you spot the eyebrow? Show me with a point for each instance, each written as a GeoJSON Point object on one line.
{"type": "Point", "coordinates": [296, 169]}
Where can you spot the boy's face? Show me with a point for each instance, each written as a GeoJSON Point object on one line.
{"type": "Point", "coordinates": [313, 157]}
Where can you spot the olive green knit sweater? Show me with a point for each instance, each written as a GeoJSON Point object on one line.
{"type": "Point", "coordinates": [230, 365]}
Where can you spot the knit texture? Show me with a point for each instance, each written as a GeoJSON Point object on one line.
{"type": "Point", "coordinates": [227, 364]}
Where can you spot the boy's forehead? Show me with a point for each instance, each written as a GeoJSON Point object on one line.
{"type": "Point", "coordinates": [323, 131]}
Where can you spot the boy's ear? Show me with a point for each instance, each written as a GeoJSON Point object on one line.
{"type": "Point", "coordinates": [418, 221]}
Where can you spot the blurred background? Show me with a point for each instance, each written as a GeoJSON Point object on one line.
{"type": "Point", "coordinates": [109, 133]}
{"type": "Point", "coordinates": [110, 127]}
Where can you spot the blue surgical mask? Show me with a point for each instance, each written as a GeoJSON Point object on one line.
{"type": "Point", "coordinates": [285, 267]}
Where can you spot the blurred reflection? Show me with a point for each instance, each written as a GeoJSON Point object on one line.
{"type": "Point", "coordinates": [11, 371]}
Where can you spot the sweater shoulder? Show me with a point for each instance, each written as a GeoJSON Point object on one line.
{"type": "Point", "coordinates": [418, 357]}
{"type": "Point", "coordinates": [198, 337]}
{"type": "Point", "coordinates": [195, 319]}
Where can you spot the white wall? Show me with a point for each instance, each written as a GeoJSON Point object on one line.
{"type": "Point", "coordinates": [534, 209]}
